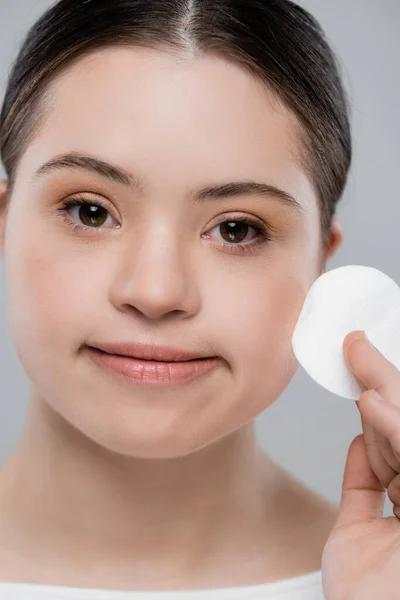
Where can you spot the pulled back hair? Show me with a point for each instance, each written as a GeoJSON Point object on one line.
{"type": "Point", "coordinates": [277, 41]}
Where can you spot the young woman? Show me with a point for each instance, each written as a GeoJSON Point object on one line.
{"type": "Point", "coordinates": [173, 170]}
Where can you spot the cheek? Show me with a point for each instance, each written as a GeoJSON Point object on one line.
{"type": "Point", "coordinates": [255, 325]}
{"type": "Point", "coordinates": [49, 299]}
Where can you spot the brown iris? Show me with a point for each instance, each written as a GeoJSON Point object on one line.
{"type": "Point", "coordinates": [231, 228]}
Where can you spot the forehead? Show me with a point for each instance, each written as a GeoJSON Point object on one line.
{"type": "Point", "coordinates": [202, 117]}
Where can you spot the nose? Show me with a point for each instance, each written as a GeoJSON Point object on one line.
{"type": "Point", "coordinates": [158, 281]}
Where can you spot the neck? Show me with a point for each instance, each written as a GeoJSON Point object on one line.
{"type": "Point", "coordinates": [178, 517]}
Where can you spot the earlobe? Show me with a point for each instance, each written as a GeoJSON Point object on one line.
{"type": "Point", "coordinates": [3, 190]}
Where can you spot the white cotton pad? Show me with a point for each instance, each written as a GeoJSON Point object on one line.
{"type": "Point", "coordinates": [339, 301]}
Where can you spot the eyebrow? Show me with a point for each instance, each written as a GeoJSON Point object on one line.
{"type": "Point", "coordinates": [76, 160]}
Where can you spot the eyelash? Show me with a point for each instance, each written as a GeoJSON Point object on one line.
{"type": "Point", "coordinates": [262, 231]}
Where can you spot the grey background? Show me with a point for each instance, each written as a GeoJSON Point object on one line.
{"type": "Point", "coordinates": [307, 430]}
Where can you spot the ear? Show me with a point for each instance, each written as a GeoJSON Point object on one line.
{"type": "Point", "coordinates": [3, 190]}
{"type": "Point", "coordinates": [335, 240]}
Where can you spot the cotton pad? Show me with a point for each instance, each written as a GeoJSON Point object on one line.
{"type": "Point", "coordinates": [339, 301]}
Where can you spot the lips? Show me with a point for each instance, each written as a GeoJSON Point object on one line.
{"type": "Point", "coordinates": [150, 352]}
{"type": "Point", "coordinates": [156, 373]}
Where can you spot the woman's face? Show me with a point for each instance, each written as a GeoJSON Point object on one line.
{"type": "Point", "coordinates": [153, 266]}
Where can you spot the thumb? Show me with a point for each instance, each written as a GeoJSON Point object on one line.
{"type": "Point", "coordinates": [363, 496]}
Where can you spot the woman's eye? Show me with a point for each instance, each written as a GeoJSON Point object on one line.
{"type": "Point", "coordinates": [234, 233]}
{"type": "Point", "coordinates": [88, 215]}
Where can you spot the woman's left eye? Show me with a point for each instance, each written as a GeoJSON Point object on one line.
{"type": "Point", "coordinates": [233, 230]}
{"type": "Point", "coordinates": [237, 229]}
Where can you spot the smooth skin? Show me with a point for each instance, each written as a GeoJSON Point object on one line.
{"type": "Point", "coordinates": [121, 487]}
{"type": "Point", "coordinates": [362, 556]}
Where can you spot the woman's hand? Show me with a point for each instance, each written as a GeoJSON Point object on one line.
{"type": "Point", "coordinates": [374, 372]}
{"type": "Point", "coordinates": [361, 559]}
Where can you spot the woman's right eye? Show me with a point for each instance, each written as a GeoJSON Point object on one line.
{"type": "Point", "coordinates": [91, 214]}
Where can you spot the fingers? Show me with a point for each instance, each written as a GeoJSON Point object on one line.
{"type": "Point", "coordinates": [370, 367]}
{"type": "Point", "coordinates": [387, 422]}
{"type": "Point", "coordinates": [380, 413]}
{"type": "Point", "coordinates": [385, 417]}
{"type": "Point", "coordinates": [379, 450]}
{"type": "Point", "coordinates": [363, 496]}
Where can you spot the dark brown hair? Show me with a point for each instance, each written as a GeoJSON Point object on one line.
{"type": "Point", "coordinates": [279, 42]}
